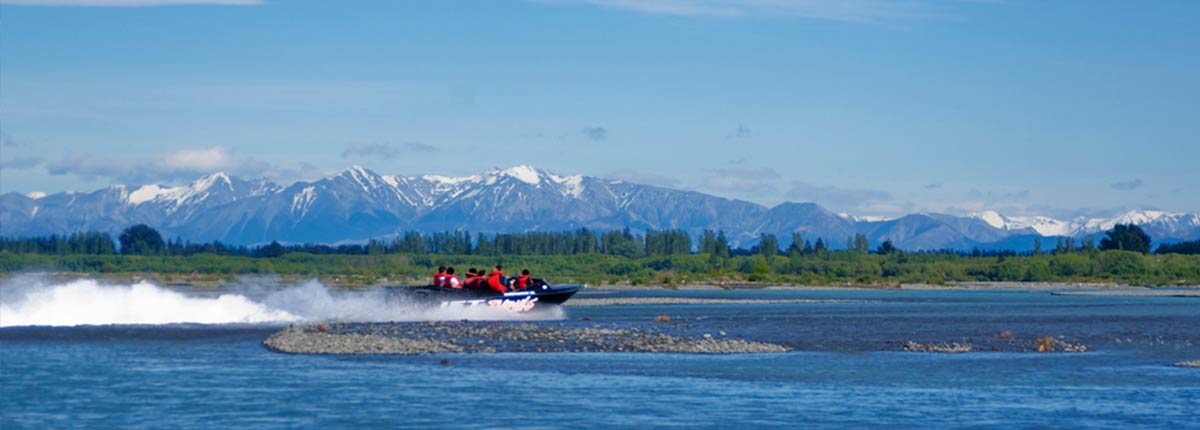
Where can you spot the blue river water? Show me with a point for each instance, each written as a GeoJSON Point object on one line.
{"type": "Point", "coordinates": [847, 371]}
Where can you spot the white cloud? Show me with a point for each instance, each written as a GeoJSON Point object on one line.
{"type": "Point", "coordinates": [197, 160]}
{"type": "Point", "coordinates": [129, 3]}
{"type": "Point", "coordinates": [170, 166]}
{"type": "Point", "coordinates": [834, 10]}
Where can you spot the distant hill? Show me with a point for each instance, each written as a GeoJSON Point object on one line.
{"type": "Point", "coordinates": [358, 204]}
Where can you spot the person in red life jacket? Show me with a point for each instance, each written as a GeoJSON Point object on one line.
{"type": "Point", "coordinates": [495, 280]}
{"type": "Point", "coordinates": [473, 278]}
{"type": "Point", "coordinates": [451, 280]}
{"type": "Point", "coordinates": [523, 280]}
{"type": "Point", "coordinates": [439, 278]}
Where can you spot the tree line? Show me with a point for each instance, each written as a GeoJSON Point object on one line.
{"type": "Point", "coordinates": [143, 240]}
{"type": "Point", "coordinates": [654, 258]}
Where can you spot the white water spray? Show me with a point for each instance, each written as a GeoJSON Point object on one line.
{"type": "Point", "coordinates": [31, 301]}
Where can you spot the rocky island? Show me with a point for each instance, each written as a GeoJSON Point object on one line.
{"type": "Point", "coordinates": [487, 337]}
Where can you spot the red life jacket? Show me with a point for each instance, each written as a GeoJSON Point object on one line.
{"type": "Point", "coordinates": [523, 281]}
{"type": "Point", "coordinates": [452, 281]}
{"type": "Point", "coordinates": [439, 279]}
{"type": "Point", "coordinates": [473, 281]}
{"type": "Point", "coordinates": [493, 281]}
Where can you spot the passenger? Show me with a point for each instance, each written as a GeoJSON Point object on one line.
{"type": "Point", "coordinates": [495, 281]}
{"type": "Point", "coordinates": [452, 280]}
{"type": "Point", "coordinates": [473, 278]}
{"type": "Point", "coordinates": [439, 278]}
{"type": "Point", "coordinates": [523, 280]}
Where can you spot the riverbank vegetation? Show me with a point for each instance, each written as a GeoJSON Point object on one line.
{"type": "Point", "coordinates": [656, 258]}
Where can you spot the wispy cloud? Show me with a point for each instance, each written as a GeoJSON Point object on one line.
{"type": "Point", "coordinates": [838, 198]}
{"type": "Point", "coordinates": [834, 10]}
{"type": "Point", "coordinates": [999, 196]}
{"type": "Point", "coordinates": [1129, 185]}
{"type": "Point", "coordinates": [741, 132]}
{"type": "Point", "coordinates": [171, 166]}
{"type": "Point", "coordinates": [420, 147]}
{"type": "Point", "coordinates": [595, 133]}
{"type": "Point", "coordinates": [634, 176]}
{"type": "Point", "coordinates": [933, 186]}
{"type": "Point", "coordinates": [129, 3]}
{"type": "Point", "coordinates": [385, 151]}
{"type": "Point", "coordinates": [743, 179]}
{"type": "Point", "coordinates": [21, 163]}
{"type": "Point", "coordinates": [302, 172]}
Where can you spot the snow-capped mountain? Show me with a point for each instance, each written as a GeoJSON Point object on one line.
{"type": "Point", "coordinates": [1044, 226]}
{"type": "Point", "coordinates": [1158, 224]}
{"type": "Point", "coordinates": [357, 204]}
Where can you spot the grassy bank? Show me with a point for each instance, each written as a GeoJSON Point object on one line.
{"type": "Point", "coordinates": [824, 268]}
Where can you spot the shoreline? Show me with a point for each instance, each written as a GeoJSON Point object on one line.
{"type": "Point", "coordinates": [206, 282]}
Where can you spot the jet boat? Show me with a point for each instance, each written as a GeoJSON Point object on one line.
{"type": "Point", "coordinates": [519, 300]}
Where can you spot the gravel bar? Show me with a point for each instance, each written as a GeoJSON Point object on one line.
{"type": "Point", "coordinates": [489, 337]}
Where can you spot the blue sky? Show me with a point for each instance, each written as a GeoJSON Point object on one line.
{"type": "Point", "coordinates": [874, 107]}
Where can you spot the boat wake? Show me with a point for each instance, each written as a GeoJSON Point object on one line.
{"type": "Point", "coordinates": [36, 301]}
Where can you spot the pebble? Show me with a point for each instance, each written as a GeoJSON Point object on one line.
{"type": "Point", "coordinates": [1042, 344]}
{"type": "Point", "coordinates": [475, 337]}
{"type": "Point", "coordinates": [953, 347]}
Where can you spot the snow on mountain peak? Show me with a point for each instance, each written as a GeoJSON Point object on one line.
{"type": "Point", "coordinates": [449, 180]}
{"type": "Point", "coordinates": [1044, 226]}
{"type": "Point", "coordinates": [864, 218]}
{"type": "Point", "coordinates": [993, 219]}
{"type": "Point", "coordinates": [1140, 217]}
{"type": "Point", "coordinates": [366, 179]}
{"type": "Point", "coordinates": [523, 173]}
{"type": "Point", "coordinates": [35, 195]}
{"type": "Point", "coordinates": [212, 180]}
{"type": "Point", "coordinates": [146, 193]}
{"type": "Point", "coordinates": [572, 185]}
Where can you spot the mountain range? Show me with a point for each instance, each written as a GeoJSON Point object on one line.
{"type": "Point", "coordinates": [357, 204]}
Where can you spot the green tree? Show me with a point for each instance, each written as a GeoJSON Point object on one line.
{"type": "Point", "coordinates": [141, 240]}
{"type": "Point", "coordinates": [797, 246]}
{"type": "Point", "coordinates": [886, 247]}
{"type": "Point", "coordinates": [722, 245]}
{"type": "Point", "coordinates": [1126, 237]}
{"type": "Point", "coordinates": [272, 250]}
{"type": "Point", "coordinates": [768, 245]}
